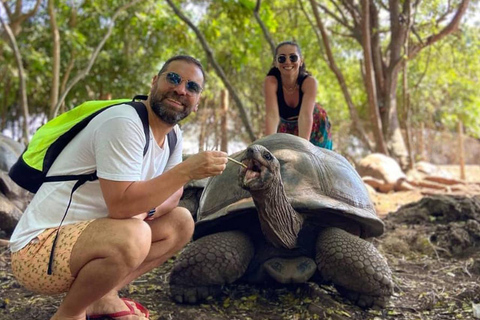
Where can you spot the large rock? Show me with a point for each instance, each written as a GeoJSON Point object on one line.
{"type": "Point", "coordinates": [9, 214]}
{"type": "Point", "coordinates": [14, 193]}
{"type": "Point", "coordinates": [382, 173]}
{"type": "Point", "coordinates": [10, 150]}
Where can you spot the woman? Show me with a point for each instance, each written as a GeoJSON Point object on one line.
{"type": "Point", "coordinates": [290, 93]}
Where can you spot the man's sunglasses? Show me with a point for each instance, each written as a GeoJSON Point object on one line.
{"type": "Point", "coordinates": [283, 58]}
{"type": "Point", "coordinates": [175, 79]}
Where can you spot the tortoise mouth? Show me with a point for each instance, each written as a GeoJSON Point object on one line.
{"type": "Point", "coordinates": [251, 173]}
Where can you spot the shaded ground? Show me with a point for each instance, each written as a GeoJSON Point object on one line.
{"type": "Point", "coordinates": [434, 256]}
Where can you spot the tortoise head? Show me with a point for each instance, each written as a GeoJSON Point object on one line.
{"type": "Point", "coordinates": [263, 169]}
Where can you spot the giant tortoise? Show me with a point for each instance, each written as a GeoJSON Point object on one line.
{"type": "Point", "coordinates": [296, 210]}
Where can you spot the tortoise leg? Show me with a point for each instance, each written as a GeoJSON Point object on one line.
{"type": "Point", "coordinates": [355, 266]}
{"type": "Point", "coordinates": [209, 263]}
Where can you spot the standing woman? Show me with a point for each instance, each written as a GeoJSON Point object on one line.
{"type": "Point", "coordinates": [290, 93]}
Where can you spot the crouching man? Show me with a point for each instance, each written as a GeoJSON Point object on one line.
{"type": "Point", "coordinates": [110, 235]}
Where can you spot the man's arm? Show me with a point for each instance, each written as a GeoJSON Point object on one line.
{"type": "Point", "coordinates": [126, 199]}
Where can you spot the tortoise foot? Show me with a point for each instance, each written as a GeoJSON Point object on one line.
{"type": "Point", "coordinates": [363, 300]}
{"type": "Point", "coordinates": [207, 264]}
{"type": "Point", "coordinates": [355, 267]}
{"type": "Point", "coordinates": [193, 295]}
{"type": "Point", "coordinates": [296, 270]}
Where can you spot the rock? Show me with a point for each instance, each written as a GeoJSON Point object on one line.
{"type": "Point", "coordinates": [16, 194]}
{"type": "Point", "coordinates": [10, 150]}
{"type": "Point", "coordinates": [9, 214]}
{"type": "Point", "coordinates": [383, 173]}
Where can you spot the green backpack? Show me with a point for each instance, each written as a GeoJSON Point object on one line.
{"type": "Point", "coordinates": [30, 170]}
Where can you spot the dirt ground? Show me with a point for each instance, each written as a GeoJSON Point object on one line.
{"type": "Point", "coordinates": [436, 273]}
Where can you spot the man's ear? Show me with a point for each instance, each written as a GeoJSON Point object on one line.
{"type": "Point", "coordinates": [154, 79]}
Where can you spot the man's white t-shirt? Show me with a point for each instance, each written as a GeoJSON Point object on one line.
{"type": "Point", "coordinates": [113, 144]}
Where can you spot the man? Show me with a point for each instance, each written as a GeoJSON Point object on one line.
{"type": "Point", "coordinates": [109, 236]}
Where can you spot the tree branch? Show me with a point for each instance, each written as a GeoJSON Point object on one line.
{"type": "Point", "coordinates": [341, 80]}
{"type": "Point", "coordinates": [343, 20]}
{"type": "Point", "coordinates": [93, 57]}
{"type": "Point", "coordinates": [55, 55]}
{"type": "Point", "coordinates": [267, 35]}
{"type": "Point", "coordinates": [218, 69]}
{"type": "Point", "coordinates": [450, 28]}
{"type": "Point", "coordinates": [21, 76]}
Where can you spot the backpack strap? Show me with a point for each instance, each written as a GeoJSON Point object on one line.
{"type": "Point", "coordinates": [172, 141]}
{"type": "Point", "coordinates": [143, 114]}
{"type": "Point", "coordinates": [81, 179]}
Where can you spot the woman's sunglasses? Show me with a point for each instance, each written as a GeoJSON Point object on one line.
{"type": "Point", "coordinates": [175, 79]}
{"type": "Point", "coordinates": [283, 58]}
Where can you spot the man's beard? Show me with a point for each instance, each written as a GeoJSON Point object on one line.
{"type": "Point", "coordinates": [165, 112]}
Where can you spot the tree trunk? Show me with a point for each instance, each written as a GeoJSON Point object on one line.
{"type": "Point", "coordinates": [21, 76]}
{"type": "Point", "coordinates": [16, 18]}
{"type": "Point", "coordinates": [369, 82]}
{"type": "Point", "coordinates": [396, 143]}
{"type": "Point", "coordinates": [55, 55]}
{"type": "Point", "coordinates": [82, 74]}
{"type": "Point", "coordinates": [386, 61]}
{"type": "Point", "coordinates": [202, 117]}
{"type": "Point", "coordinates": [461, 150]}
{"type": "Point", "coordinates": [224, 122]}
{"type": "Point", "coordinates": [6, 93]}
{"type": "Point", "coordinates": [407, 116]}
{"type": "Point", "coordinates": [357, 125]}
{"type": "Point", "coordinates": [421, 143]}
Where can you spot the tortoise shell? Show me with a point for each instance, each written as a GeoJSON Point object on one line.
{"type": "Point", "coordinates": [319, 183]}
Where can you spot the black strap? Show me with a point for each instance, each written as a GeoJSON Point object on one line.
{"type": "Point", "coordinates": [172, 141]}
{"type": "Point", "coordinates": [86, 177]}
{"type": "Point", "coordinates": [75, 187]}
{"type": "Point", "coordinates": [143, 114]}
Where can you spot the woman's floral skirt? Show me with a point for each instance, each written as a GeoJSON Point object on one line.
{"type": "Point", "coordinates": [320, 136]}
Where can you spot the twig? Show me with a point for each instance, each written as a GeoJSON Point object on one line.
{"type": "Point", "coordinates": [237, 162]}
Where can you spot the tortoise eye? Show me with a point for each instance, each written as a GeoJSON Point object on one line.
{"type": "Point", "coordinates": [268, 156]}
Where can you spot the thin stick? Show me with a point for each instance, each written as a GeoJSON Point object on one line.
{"type": "Point", "coordinates": [237, 162]}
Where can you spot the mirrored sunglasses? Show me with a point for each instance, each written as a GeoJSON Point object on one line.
{"type": "Point", "coordinates": [175, 79]}
{"type": "Point", "coordinates": [283, 58]}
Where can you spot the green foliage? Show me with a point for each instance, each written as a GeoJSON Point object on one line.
{"type": "Point", "coordinates": [445, 80]}
{"type": "Point", "coordinates": [442, 78]}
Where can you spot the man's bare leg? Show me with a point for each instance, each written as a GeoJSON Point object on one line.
{"type": "Point", "coordinates": [113, 253]}
{"type": "Point", "coordinates": [170, 233]}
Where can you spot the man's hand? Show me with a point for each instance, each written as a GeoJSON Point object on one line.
{"type": "Point", "coordinates": [125, 199]}
{"type": "Point", "coordinates": [206, 164]}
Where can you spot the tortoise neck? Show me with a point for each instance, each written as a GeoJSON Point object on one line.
{"type": "Point", "coordinates": [279, 221]}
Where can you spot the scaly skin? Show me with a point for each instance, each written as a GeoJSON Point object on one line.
{"type": "Point", "coordinates": [209, 263]}
{"type": "Point", "coordinates": [355, 266]}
